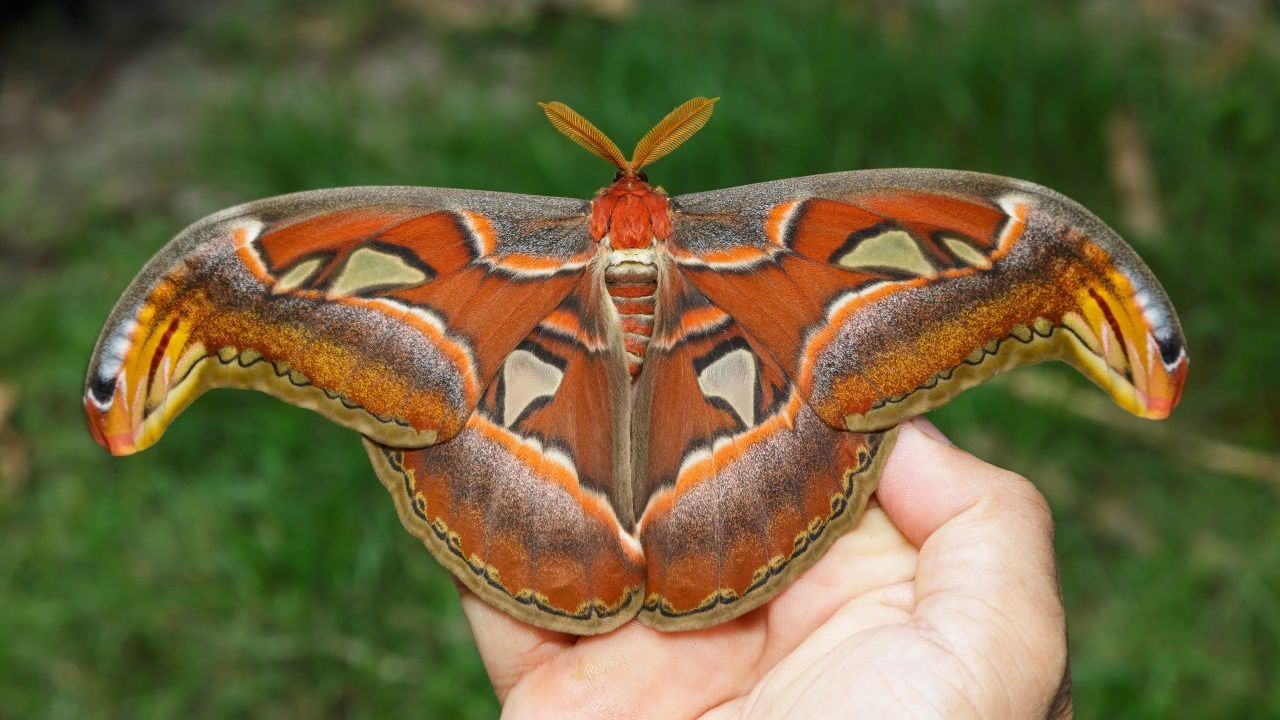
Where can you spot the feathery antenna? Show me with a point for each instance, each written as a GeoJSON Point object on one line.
{"type": "Point", "coordinates": [678, 126]}
{"type": "Point", "coordinates": [580, 130]}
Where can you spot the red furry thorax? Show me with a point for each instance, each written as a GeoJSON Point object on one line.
{"type": "Point", "coordinates": [631, 212]}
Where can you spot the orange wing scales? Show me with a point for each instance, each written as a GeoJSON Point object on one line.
{"type": "Point", "coordinates": [891, 291]}
{"type": "Point", "coordinates": [728, 544]}
{"type": "Point", "coordinates": [724, 520]}
{"type": "Point", "coordinates": [512, 533]}
{"type": "Point", "coordinates": [373, 306]}
{"type": "Point", "coordinates": [1029, 304]}
{"type": "Point", "coordinates": [639, 406]}
{"type": "Point", "coordinates": [521, 504]}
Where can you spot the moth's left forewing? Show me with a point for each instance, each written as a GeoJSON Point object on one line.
{"type": "Point", "coordinates": [885, 293]}
{"type": "Point", "coordinates": [386, 309]}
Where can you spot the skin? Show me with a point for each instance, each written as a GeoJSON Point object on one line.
{"type": "Point", "coordinates": [943, 603]}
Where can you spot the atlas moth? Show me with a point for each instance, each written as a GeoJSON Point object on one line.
{"type": "Point", "coordinates": [637, 405]}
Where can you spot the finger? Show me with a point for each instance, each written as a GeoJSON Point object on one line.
{"type": "Point", "coordinates": [509, 648]}
{"type": "Point", "coordinates": [540, 673]}
{"type": "Point", "coordinates": [869, 566]}
{"type": "Point", "coordinates": [986, 579]}
{"type": "Point", "coordinates": [637, 672]}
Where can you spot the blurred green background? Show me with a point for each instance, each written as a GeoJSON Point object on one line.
{"type": "Point", "coordinates": [251, 565]}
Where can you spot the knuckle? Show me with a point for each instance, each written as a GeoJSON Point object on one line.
{"type": "Point", "coordinates": [1018, 495]}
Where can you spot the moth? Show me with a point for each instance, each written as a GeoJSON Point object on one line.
{"type": "Point", "coordinates": [634, 406]}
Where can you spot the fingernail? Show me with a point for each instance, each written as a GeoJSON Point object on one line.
{"type": "Point", "coordinates": [931, 430]}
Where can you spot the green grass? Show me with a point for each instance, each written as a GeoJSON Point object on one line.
{"type": "Point", "coordinates": [251, 565]}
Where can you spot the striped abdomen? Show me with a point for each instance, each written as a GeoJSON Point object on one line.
{"type": "Point", "coordinates": [632, 280]}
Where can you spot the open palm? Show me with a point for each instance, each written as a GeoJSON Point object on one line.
{"type": "Point", "coordinates": [943, 602]}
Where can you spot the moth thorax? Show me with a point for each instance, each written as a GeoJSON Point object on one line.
{"type": "Point", "coordinates": [631, 276]}
{"type": "Point", "coordinates": [631, 212]}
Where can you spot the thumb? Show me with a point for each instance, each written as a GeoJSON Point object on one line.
{"type": "Point", "coordinates": [986, 579]}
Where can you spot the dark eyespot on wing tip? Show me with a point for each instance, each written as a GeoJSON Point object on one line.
{"type": "Point", "coordinates": [1170, 343]}
{"type": "Point", "coordinates": [102, 388]}
{"type": "Point", "coordinates": [1170, 349]}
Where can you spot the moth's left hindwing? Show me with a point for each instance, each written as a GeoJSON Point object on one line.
{"type": "Point", "coordinates": [387, 310]}
{"type": "Point", "coordinates": [526, 504]}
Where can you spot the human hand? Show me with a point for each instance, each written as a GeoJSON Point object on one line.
{"type": "Point", "coordinates": [943, 602]}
